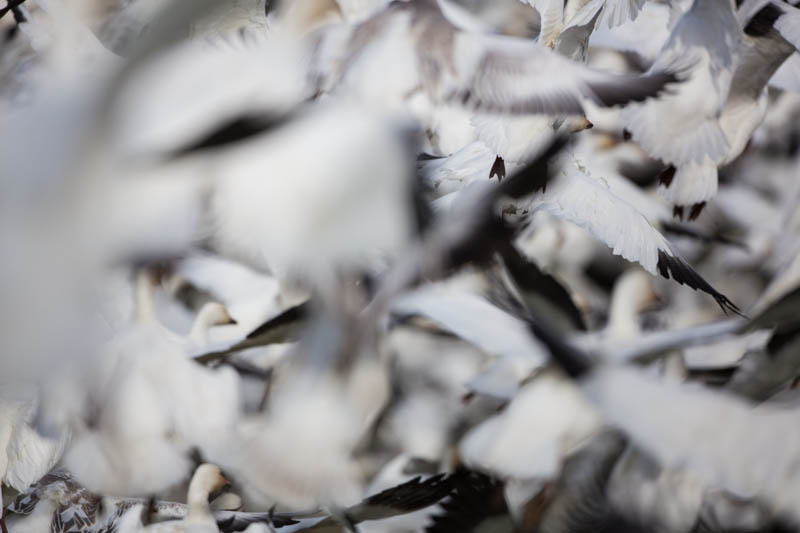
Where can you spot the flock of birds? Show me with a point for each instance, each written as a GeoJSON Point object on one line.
{"type": "Point", "coordinates": [428, 265]}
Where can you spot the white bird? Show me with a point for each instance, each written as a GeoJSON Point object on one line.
{"type": "Point", "coordinates": [487, 72]}
{"type": "Point", "coordinates": [25, 455]}
{"type": "Point", "coordinates": [142, 405]}
{"type": "Point", "coordinates": [545, 421]}
{"type": "Point", "coordinates": [682, 128]}
{"type": "Point", "coordinates": [206, 480]}
{"type": "Point", "coordinates": [496, 332]}
{"type": "Point", "coordinates": [605, 212]}
{"type": "Point", "coordinates": [716, 126]}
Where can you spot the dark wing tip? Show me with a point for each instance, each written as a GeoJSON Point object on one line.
{"type": "Point", "coordinates": [626, 89]}
{"type": "Point", "coordinates": [233, 130]}
{"type": "Point", "coordinates": [534, 176]}
{"type": "Point", "coordinates": [763, 21]}
{"type": "Point", "coordinates": [292, 315]}
{"type": "Point", "coordinates": [414, 494]}
{"type": "Point", "coordinates": [530, 278]}
{"type": "Point", "coordinates": [682, 273]}
{"type": "Point", "coordinates": [572, 361]}
{"type": "Point", "coordinates": [474, 499]}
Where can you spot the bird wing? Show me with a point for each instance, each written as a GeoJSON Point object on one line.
{"type": "Point", "coordinates": [591, 204]}
{"type": "Point", "coordinates": [754, 454]}
{"type": "Point", "coordinates": [618, 12]}
{"type": "Point", "coordinates": [503, 74]}
{"type": "Point", "coordinates": [30, 455]}
{"type": "Point", "coordinates": [683, 126]}
{"type": "Point", "coordinates": [473, 319]}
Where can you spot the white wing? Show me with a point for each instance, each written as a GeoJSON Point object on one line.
{"type": "Point", "coordinates": [487, 72]}
{"type": "Point", "coordinates": [727, 443]}
{"type": "Point", "coordinates": [546, 421]}
{"type": "Point", "coordinates": [475, 320]}
{"type": "Point", "coordinates": [682, 126]}
{"type": "Point", "coordinates": [618, 12]}
{"type": "Point", "coordinates": [506, 74]}
{"type": "Point", "coordinates": [551, 13]}
{"type": "Point", "coordinates": [30, 455]}
{"type": "Point", "coordinates": [591, 204]}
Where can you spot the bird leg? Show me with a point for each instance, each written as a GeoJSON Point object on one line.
{"type": "Point", "coordinates": [3, 527]}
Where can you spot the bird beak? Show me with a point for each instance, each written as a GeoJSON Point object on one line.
{"type": "Point", "coordinates": [226, 487]}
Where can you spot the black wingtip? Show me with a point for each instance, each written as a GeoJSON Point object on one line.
{"type": "Point", "coordinates": [572, 361]}
{"type": "Point", "coordinates": [638, 88]}
{"type": "Point", "coordinates": [692, 233]}
{"type": "Point", "coordinates": [498, 169]}
{"type": "Point", "coordinates": [763, 21]}
{"type": "Point", "coordinates": [414, 494]}
{"type": "Point", "coordinates": [473, 500]}
{"type": "Point", "coordinates": [535, 175]}
{"type": "Point", "coordinates": [681, 272]}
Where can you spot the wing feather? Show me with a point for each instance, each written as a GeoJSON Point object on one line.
{"type": "Point", "coordinates": [591, 204]}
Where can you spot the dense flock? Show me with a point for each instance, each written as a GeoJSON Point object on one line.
{"type": "Point", "coordinates": [424, 265]}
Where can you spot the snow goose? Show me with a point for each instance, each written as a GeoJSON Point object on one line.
{"type": "Point", "coordinates": [531, 437]}
{"type": "Point", "coordinates": [206, 480]}
{"type": "Point", "coordinates": [632, 295]}
{"type": "Point", "coordinates": [485, 72]}
{"type": "Point", "coordinates": [605, 212]}
{"type": "Point", "coordinates": [518, 138]}
{"type": "Point", "coordinates": [26, 456]}
{"type": "Point", "coordinates": [57, 503]}
{"type": "Point", "coordinates": [766, 42]}
{"type": "Point", "coordinates": [682, 128]}
{"type": "Point", "coordinates": [607, 206]}
{"type": "Point", "coordinates": [754, 457]}
{"type": "Point", "coordinates": [143, 405]}
{"type": "Point", "coordinates": [496, 332]}
{"type": "Point", "coordinates": [370, 163]}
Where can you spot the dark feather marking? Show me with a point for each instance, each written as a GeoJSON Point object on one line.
{"type": "Point", "coordinates": [695, 210]}
{"type": "Point", "coordinates": [293, 314]}
{"type": "Point", "coordinates": [474, 500]}
{"type": "Point", "coordinates": [581, 504]}
{"type": "Point", "coordinates": [13, 6]}
{"type": "Point", "coordinates": [415, 494]}
{"type": "Point", "coordinates": [763, 21]}
{"type": "Point", "coordinates": [528, 277]}
{"type": "Point", "coordinates": [235, 130]}
{"type": "Point", "coordinates": [498, 169]}
{"type": "Point", "coordinates": [677, 211]}
{"type": "Point", "coordinates": [420, 206]}
{"type": "Point", "coordinates": [686, 231]}
{"type": "Point", "coordinates": [633, 89]}
{"type": "Point", "coordinates": [534, 176]}
{"type": "Point", "coordinates": [488, 229]}
{"type": "Point", "coordinates": [281, 328]}
{"type": "Point", "coordinates": [782, 336]}
{"type": "Point", "coordinates": [571, 360]}
{"type": "Point", "coordinates": [666, 177]}
{"type": "Point", "coordinates": [684, 274]}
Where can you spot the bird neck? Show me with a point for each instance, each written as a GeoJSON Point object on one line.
{"type": "Point", "coordinates": [145, 289]}
{"type": "Point", "coordinates": [198, 335]}
{"type": "Point", "coordinates": [199, 510]}
{"type": "Point", "coordinates": [623, 320]}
